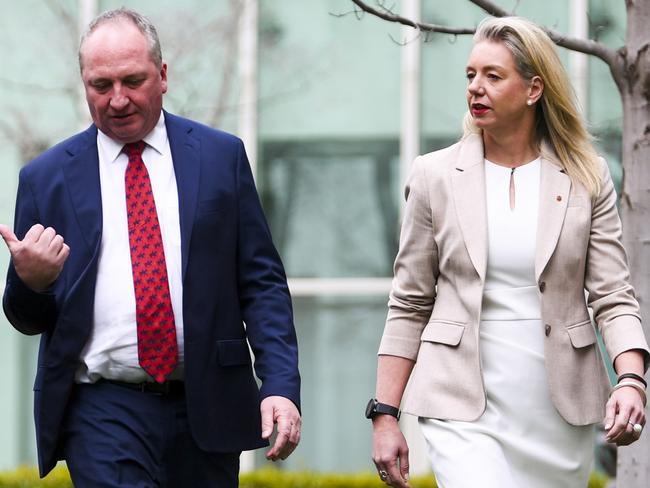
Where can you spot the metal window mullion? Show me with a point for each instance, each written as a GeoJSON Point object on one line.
{"type": "Point", "coordinates": [248, 72]}
{"type": "Point", "coordinates": [579, 62]}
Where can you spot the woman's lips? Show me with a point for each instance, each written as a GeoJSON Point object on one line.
{"type": "Point", "coordinates": [478, 109]}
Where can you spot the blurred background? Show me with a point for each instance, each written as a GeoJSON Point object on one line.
{"type": "Point", "coordinates": [332, 106]}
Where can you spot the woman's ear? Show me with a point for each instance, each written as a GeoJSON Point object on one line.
{"type": "Point", "coordinates": [535, 89]}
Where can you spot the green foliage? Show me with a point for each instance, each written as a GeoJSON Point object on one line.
{"type": "Point", "coordinates": [271, 478]}
{"type": "Point", "coordinates": [265, 478]}
{"type": "Point", "coordinates": [27, 477]}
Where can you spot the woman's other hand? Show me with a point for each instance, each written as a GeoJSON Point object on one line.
{"type": "Point", "coordinates": [390, 452]}
{"type": "Point", "coordinates": [623, 410]}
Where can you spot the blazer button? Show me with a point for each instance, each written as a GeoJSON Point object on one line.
{"type": "Point", "coordinates": [547, 330]}
{"type": "Point", "coordinates": [542, 286]}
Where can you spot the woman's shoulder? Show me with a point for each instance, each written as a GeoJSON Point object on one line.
{"type": "Point", "coordinates": [440, 159]}
{"type": "Point", "coordinates": [462, 154]}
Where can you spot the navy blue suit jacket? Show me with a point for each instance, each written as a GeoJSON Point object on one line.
{"type": "Point", "coordinates": [232, 275]}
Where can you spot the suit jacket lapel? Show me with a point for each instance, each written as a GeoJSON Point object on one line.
{"type": "Point", "coordinates": [468, 183]}
{"type": "Point", "coordinates": [186, 156]}
{"type": "Point", "coordinates": [81, 174]}
{"type": "Point", "coordinates": [554, 190]}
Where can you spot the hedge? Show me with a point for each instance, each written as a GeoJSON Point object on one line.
{"type": "Point", "coordinates": [27, 477]}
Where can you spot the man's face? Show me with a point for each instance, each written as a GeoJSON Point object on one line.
{"type": "Point", "coordinates": [124, 89]}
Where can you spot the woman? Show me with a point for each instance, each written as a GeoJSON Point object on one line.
{"type": "Point", "coordinates": [507, 229]}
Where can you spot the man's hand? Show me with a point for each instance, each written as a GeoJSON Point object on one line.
{"type": "Point", "coordinates": [39, 257]}
{"type": "Point", "coordinates": [283, 412]}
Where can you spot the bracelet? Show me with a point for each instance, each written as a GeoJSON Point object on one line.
{"type": "Point", "coordinates": [634, 385]}
{"type": "Point", "coordinates": [634, 376]}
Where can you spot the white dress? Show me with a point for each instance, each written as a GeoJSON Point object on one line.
{"type": "Point", "coordinates": [520, 441]}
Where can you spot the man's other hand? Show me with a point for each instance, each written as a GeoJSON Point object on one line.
{"type": "Point", "coordinates": [283, 412]}
{"type": "Point", "coordinates": [39, 257]}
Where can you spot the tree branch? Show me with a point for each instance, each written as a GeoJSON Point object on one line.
{"type": "Point", "coordinates": [387, 14]}
{"type": "Point", "coordinates": [586, 46]}
{"type": "Point", "coordinates": [491, 8]}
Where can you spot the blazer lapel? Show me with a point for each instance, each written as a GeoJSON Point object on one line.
{"type": "Point", "coordinates": [187, 164]}
{"type": "Point", "coordinates": [81, 174]}
{"type": "Point", "coordinates": [554, 190]}
{"type": "Point", "coordinates": [468, 184]}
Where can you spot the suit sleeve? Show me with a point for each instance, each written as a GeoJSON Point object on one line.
{"type": "Point", "coordinates": [264, 295]}
{"type": "Point", "coordinates": [415, 272]}
{"type": "Point", "coordinates": [607, 278]}
{"type": "Point", "coordinates": [28, 311]}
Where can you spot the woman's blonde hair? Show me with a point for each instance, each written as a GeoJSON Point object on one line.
{"type": "Point", "coordinates": [558, 119]}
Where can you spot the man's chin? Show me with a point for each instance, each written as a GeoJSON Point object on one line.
{"type": "Point", "coordinates": [125, 134]}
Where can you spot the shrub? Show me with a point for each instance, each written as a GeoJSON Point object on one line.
{"type": "Point", "coordinates": [26, 477]}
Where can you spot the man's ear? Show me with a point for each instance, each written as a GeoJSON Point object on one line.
{"type": "Point", "coordinates": [163, 77]}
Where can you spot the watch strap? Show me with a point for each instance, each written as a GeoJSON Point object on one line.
{"type": "Point", "coordinates": [383, 409]}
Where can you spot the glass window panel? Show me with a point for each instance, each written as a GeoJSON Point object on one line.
{"type": "Point", "coordinates": [338, 339]}
{"type": "Point", "coordinates": [332, 206]}
{"type": "Point", "coordinates": [322, 75]}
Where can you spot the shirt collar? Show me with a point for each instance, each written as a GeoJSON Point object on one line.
{"type": "Point", "coordinates": [156, 139]}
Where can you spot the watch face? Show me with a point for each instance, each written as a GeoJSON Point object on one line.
{"type": "Point", "coordinates": [370, 408]}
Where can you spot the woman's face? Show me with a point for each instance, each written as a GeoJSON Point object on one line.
{"type": "Point", "coordinates": [497, 95]}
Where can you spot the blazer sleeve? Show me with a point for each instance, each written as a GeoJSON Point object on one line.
{"type": "Point", "coordinates": [28, 311]}
{"type": "Point", "coordinates": [415, 272]}
{"type": "Point", "coordinates": [607, 278]}
{"type": "Point", "coordinates": [264, 294]}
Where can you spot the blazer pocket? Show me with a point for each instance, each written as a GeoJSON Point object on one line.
{"type": "Point", "coordinates": [582, 334]}
{"type": "Point", "coordinates": [233, 352]}
{"type": "Point", "coordinates": [443, 332]}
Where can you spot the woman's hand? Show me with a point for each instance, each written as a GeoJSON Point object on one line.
{"type": "Point", "coordinates": [390, 452]}
{"type": "Point", "coordinates": [623, 409]}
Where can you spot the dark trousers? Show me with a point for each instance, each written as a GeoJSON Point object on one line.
{"type": "Point", "coordinates": [118, 437]}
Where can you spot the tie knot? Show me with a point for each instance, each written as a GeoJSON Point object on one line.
{"type": "Point", "coordinates": [134, 149]}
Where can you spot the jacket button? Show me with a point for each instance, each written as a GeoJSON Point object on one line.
{"type": "Point", "coordinates": [542, 286]}
{"type": "Point", "coordinates": [547, 330]}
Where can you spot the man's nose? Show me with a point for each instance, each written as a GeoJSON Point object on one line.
{"type": "Point", "coordinates": [119, 100]}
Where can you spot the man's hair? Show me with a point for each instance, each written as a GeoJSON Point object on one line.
{"type": "Point", "coordinates": [143, 24]}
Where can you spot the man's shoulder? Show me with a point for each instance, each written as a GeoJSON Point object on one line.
{"type": "Point", "coordinates": [176, 124]}
{"type": "Point", "coordinates": [63, 150]}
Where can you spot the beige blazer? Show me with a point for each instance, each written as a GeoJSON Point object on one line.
{"type": "Point", "coordinates": [435, 302]}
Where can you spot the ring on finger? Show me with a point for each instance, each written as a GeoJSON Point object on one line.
{"type": "Point", "coordinates": [636, 428]}
{"type": "Point", "coordinates": [383, 475]}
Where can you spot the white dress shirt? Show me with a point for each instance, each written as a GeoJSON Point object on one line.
{"type": "Point", "coordinates": [112, 349]}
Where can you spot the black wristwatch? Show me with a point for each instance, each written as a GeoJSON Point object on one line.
{"type": "Point", "coordinates": [375, 408]}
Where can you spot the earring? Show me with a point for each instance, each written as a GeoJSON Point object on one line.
{"type": "Point", "coordinates": [529, 102]}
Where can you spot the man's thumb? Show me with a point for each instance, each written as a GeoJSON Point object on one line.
{"type": "Point", "coordinates": [8, 235]}
{"type": "Point", "coordinates": [267, 422]}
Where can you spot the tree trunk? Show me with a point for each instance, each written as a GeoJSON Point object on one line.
{"type": "Point", "coordinates": [634, 84]}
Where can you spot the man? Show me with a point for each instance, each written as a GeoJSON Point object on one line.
{"type": "Point", "coordinates": [143, 250]}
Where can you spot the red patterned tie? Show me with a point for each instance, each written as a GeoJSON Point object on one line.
{"type": "Point", "coordinates": [157, 349]}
